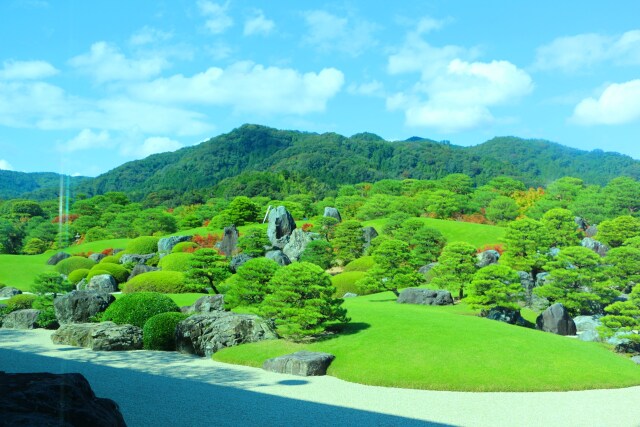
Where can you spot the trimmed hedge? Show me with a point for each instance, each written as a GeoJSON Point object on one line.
{"type": "Point", "coordinates": [66, 266]}
{"type": "Point", "coordinates": [346, 282]}
{"type": "Point", "coordinates": [118, 272]}
{"type": "Point", "coordinates": [142, 245]}
{"type": "Point", "coordinates": [20, 302]}
{"type": "Point", "coordinates": [77, 275]}
{"type": "Point", "coordinates": [136, 309]}
{"type": "Point", "coordinates": [170, 282]}
{"type": "Point", "coordinates": [110, 259]}
{"type": "Point", "coordinates": [361, 264]}
{"type": "Point", "coordinates": [183, 246]}
{"type": "Point", "coordinates": [159, 332]}
{"type": "Point", "coordinates": [180, 261]}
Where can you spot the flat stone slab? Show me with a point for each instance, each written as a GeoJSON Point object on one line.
{"type": "Point", "coordinates": [105, 336]}
{"type": "Point", "coordinates": [302, 363]}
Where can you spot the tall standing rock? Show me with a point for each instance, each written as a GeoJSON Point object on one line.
{"type": "Point", "coordinates": [556, 320]}
{"type": "Point", "coordinates": [368, 233]}
{"type": "Point", "coordinates": [166, 244]}
{"type": "Point", "coordinates": [298, 241]}
{"type": "Point", "coordinates": [80, 306]}
{"type": "Point", "coordinates": [281, 225]}
{"type": "Point", "coordinates": [333, 213]}
{"type": "Point", "coordinates": [229, 242]}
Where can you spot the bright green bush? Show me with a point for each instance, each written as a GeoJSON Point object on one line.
{"type": "Point", "coordinates": [77, 275]}
{"type": "Point", "coordinates": [118, 272]}
{"type": "Point", "coordinates": [170, 282]}
{"type": "Point", "coordinates": [159, 332]}
{"type": "Point", "coordinates": [73, 263]}
{"type": "Point", "coordinates": [20, 302]}
{"type": "Point", "coordinates": [179, 261]}
{"type": "Point", "coordinates": [346, 282]}
{"type": "Point", "coordinates": [136, 309]}
{"type": "Point", "coordinates": [111, 259]}
{"type": "Point", "coordinates": [142, 245]}
{"type": "Point", "coordinates": [183, 247]}
{"type": "Point", "coordinates": [361, 264]}
{"type": "Point", "coordinates": [96, 272]}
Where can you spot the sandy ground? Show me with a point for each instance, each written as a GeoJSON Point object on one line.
{"type": "Point", "coordinates": [171, 389]}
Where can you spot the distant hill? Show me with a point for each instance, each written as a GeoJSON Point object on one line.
{"type": "Point", "coordinates": [35, 185]}
{"type": "Point", "coordinates": [253, 152]}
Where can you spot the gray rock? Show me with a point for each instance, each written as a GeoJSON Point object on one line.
{"type": "Point", "coordinates": [554, 251]}
{"type": "Point", "coordinates": [166, 244]}
{"type": "Point", "coordinates": [21, 319]}
{"type": "Point", "coordinates": [229, 243]}
{"type": "Point", "coordinates": [141, 268]}
{"type": "Point", "coordinates": [281, 225]}
{"type": "Point", "coordinates": [302, 363]}
{"type": "Point", "coordinates": [528, 284]}
{"type": "Point", "coordinates": [598, 247]}
{"type": "Point", "coordinates": [205, 334]}
{"type": "Point", "coordinates": [587, 323]}
{"type": "Point", "coordinates": [57, 257]}
{"type": "Point", "coordinates": [487, 257]}
{"type": "Point", "coordinates": [581, 223]}
{"type": "Point", "coordinates": [333, 213]}
{"type": "Point", "coordinates": [542, 278]}
{"type": "Point", "coordinates": [628, 346]}
{"type": "Point", "coordinates": [238, 261]}
{"type": "Point", "coordinates": [44, 399]}
{"type": "Point", "coordinates": [636, 359]}
{"type": "Point", "coordinates": [427, 268]}
{"type": "Point", "coordinates": [103, 283]}
{"type": "Point", "coordinates": [506, 315]}
{"type": "Point", "coordinates": [279, 257]}
{"type": "Point", "coordinates": [590, 336]}
{"type": "Point", "coordinates": [80, 306]}
{"type": "Point", "coordinates": [349, 295]}
{"type": "Point", "coordinates": [368, 234]}
{"type": "Point", "coordinates": [425, 297]}
{"type": "Point", "coordinates": [136, 258]}
{"type": "Point", "coordinates": [105, 336]}
{"type": "Point", "coordinates": [206, 304]}
{"type": "Point", "coordinates": [96, 257]}
{"type": "Point", "coordinates": [298, 241]}
{"type": "Point", "coordinates": [556, 320]}
{"type": "Point", "coordinates": [8, 292]}
{"type": "Point", "coordinates": [81, 285]}
{"type": "Point", "coordinates": [591, 231]}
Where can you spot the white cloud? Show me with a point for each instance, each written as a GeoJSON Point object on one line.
{"type": "Point", "coordinates": [218, 21]}
{"type": "Point", "coordinates": [4, 165]}
{"type": "Point", "coordinates": [573, 53]}
{"type": "Point", "coordinates": [258, 25]}
{"type": "Point", "coordinates": [249, 87]}
{"type": "Point", "coordinates": [23, 103]}
{"type": "Point", "coordinates": [151, 145]}
{"type": "Point", "coordinates": [85, 140]}
{"type": "Point", "coordinates": [26, 70]}
{"type": "Point", "coordinates": [618, 104]}
{"type": "Point", "coordinates": [147, 35]}
{"type": "Point", "coordinates": [329, 33]}
{"type": "Point", "coordinates": [106, 63]}
{"type": "Point", "coordinates": [372, 88]}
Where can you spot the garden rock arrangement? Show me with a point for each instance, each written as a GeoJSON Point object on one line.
{"type": "Point", "coordinates": [368, 234]}
{"type": "Point", "coordinates": [80, 306]}
{"type": "Point", "coordinates": [556, 320]}
{"type": "Point", "coordinates": [103, 283]}
{"type": "Point", "coordinates": [136, 258]}
{"type": "Point", "coordinates": [281, 225]}
{"type": "Point", "coordinates": [279, 257]}
{"type": "Point", "coordinates": [302, 363]}
{"type": "Point", "coordinates": [205, 334]}
{"type": "Point", "coordinates": [8, 292]}
{"type": "Point", "coordinates": [106, 336]}
{"type": "Point", "coordinates": [140, 269]}
{"type": "Point", "coordinates": [425, 297]}
{"type": "Point", "coordinates": [44, 399]}
{"type": "Point", "coordinates": [238, 261]}
{"type": "Point", "coordinates": [507, 315]}
{"type": "Point", "coordinates": [599, 248]}
{"type": "Point", "coordinates": [229, 242]}
{"type": "Point", "coordinates": [206, 304]}
{"type": "Point", "coordinates": [21, 319]}
{"type": "Point", "coordinates": [586, 327]}
{"type": "Point", "coordinates": [298, 241]}
{"type": "Point", "coordinates": [56, 258]}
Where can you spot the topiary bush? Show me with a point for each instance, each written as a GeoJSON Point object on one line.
{"type": "Point", "coordinates": [66, 266]}
{"type": "Point", "coordinates": [77, 275]}
{"type": "Point", "coordinates": [136, 309]}
{"type": "Point", "coordinates": [110, 259]}
{"type": "Point", "coordinates": [159, 332]}
{"type": "Point", "coordinates": [361, 264]}
{"type": "Point", "coordinates": [142, 245]}
{"type": "Point", "coordinates": [179, 261]}
{"type": "Point", "coordinates": [346, 282]}
{"type": "Point", "coordinates": [20, 302]}
{"type": "Point", "coordinates": [184, 247]}
{"type": "Point", "coordinates": [119, 272]}
{"type": "Point", "coordinates": [96, 272]}
{"type": "Point", "coordinates": [172, 282]}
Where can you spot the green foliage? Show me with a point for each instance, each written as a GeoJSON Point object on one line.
{"type": "Point", "coordinates": [160, 281]}
{"type": "Point", "coordinates": [178, 261]}
{"type": "Point", "coordinates": [110, 259]}
{"type": "Point", "coordinates": [527, 246]}
{"type": "Point", "coordinates": [159, 332]}
{"type": "Point", "coordinates": [242, 210]}
{"type": "Point", "coordinates": [622, 196]}
{"type": "Point", "coordinates": [425, 243]}
{"type": "Point", "coordinates": [208, 268]}
{"type": "Point", "coordinates": [502, 209]}
{"type": "Point", "coordinates": [253, 241]}
{"type": "Point", "coordinates": [154, 221]}
{"type": "Point", "coordinates": [495, 285]}
{"type": "Point", "coordinates": [348, 241]}
{"type": "Point", "coordinates": [47, 316]}
{"type": "Point", "coordinates": [50, 282]}
{"type": "Point", "coordinates": [10, 237]}
{"type": "Point", "coordinates": [394, 222]}
{"type": "Point", "coordinates": [119, 272]}
{"type": "Point", "coordinates": [325, 227]}
{"type": "Point", "coordinates": [95, 234]}
{"type": "Point", "coordinates": [35, 246]}
{"type": "Point", "coordinates": [624, 267]}
{"type": "Point", "coordinates": [142, 245]}
{"type": "Point", "coordinates": [77, 275]}
{"type": "Point", "coordinates": [392, 269]}
{"type": "Point", "coordinates": [301, 301]}
{"type": "Point", "coordinates": [347, 281]}
{"type": "Point", "coordinates": [318, 252]}
{"type": "Point", "coordinates": [364, 263]}
{"type": "Point", "coordinates": [183, 247]}
{"type": "Point", "coordinates": [135, 309]}
{"type": "Point", "coordinates": [20, 302]}
{"type": "Point", "coordinates": [622, 316]}
{"type": "Point", "coordinates": [561, 227]}
{"type": "Point", "coordinates": [456, 267]}
{"type": "Point", "coordinates": [70, 264]}
{"type": "Point", "coordinates": [616, 231]}
{"type": "Point", "coordinates": [250, 284]}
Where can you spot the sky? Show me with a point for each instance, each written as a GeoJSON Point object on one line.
{"type": "Point", "coordinates": [86, 86]}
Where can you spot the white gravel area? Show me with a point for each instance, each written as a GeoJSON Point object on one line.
{"type": "Point", "coordinates": [171, 389]}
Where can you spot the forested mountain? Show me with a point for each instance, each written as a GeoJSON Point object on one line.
{"type": "Point", "coordinates": [37, 185]}
{"type": "Point", "coordinates": [252, 157]}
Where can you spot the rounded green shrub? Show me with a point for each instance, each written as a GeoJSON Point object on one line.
{"type": "Point", "coordinates": [66, 266]}
{"type": "Point", "coordinates": [361, 264]}
{"type": "Point", "coordinates": [118, 272]}
{"type": "Point", "coordinates": [142, 245]}
{"type": "Point", "coordinates": [159, 332]}
{"type": "Point", "coordinates": [183, 247]}
{"type": "Point", "coordinates": [77, 275]}
{"type": "Point", "coordinates": [180, 261]}
{"type": "Point", "coordinates": [136, 309]}
{"type": "Point", "coordinates": [110, 259]}
{"type": "Point", "coordinates": [96, 272]}
{"type": "Point", "coordinates": [346, 282]}
{"type": "Point", "coordinates": [20, 302]}
{"type": "Point", "coordinates": [172, 282]}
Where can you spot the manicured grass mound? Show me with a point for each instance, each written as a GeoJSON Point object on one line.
{"type": "Point", "coordinates": [136, 309]}
{"type": "Point", "coordinates": [361, 264]}
{"type": "Point", "coordinates": [77, 275]}
{"type": "Point", "coordinates": [118, 272]}
{"type": "Point", "coordinates": [158, 281]}
{"type": "Point", "coordinates": [425, 347]}
{"type": "Point", "coordinates": [183, 246]}
{"type": "Point", "coordinates": [142, 245]}
{"type": "Point", "coordinates": [179, 261]}
{"type": "Point", "coordinates": [159, 332]}
{"type": "Point", "coordinates": [346, 282]}
{"type": "Point", "coordinates": [66, 266]}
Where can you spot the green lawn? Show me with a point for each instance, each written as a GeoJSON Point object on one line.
{"type": "Point", "coordinates": [441, 348]}
{"type": "Point", "coordinates": [182, 300]}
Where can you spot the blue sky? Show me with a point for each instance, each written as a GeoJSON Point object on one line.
{"type": "Point", "coordinates": [87, 86]}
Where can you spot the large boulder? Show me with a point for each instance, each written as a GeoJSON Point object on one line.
{"type": "Point", "coordinates": [368, 234]}
{"type": "Point", "coordinates": [44, 399]}
{"type": "Point", "coordinates": [281, 225]}
{"type": "Point", "coordinates": [103, 283]}
{"type": "Point", "coordinates": [556, 320]}
{"type": "Point", "coordinates": [487, 257]}
{"type": "Point", "coordinates": [206, 304]}
{"type": "Point", "coordinates": [332, 213]}
{"type": "Point", "coordinates": [136, 258]}
{"type": "Point", "coordinates": [427, 268]}
{"type": "Point", "coordinates": [8, 292]}
{"type": "Point", "coordinates": [105, 336]}
{"type": "Point", "coordinates": [506, 315]}
{"type": "Point", "coordinates": [424, 297]}
{"type": "Point", "coordinates": [97, 257]}
{"type": "Point", "coordinates": [80, 306]}
{"type": "Point", "coordinates": [298, 241]}
{"type": "Point", "coordinates": [229, 243]}
{"type": "Point", "coordinates": [205, 334]}
{"type": "Point", "coordinates": [140, 269]}
{"type": "Point", "coordinates": [596, 246]}
{"type": "Point", "coordinates": [238, 261]}
{"type": "Point", "coordinates": [57, 257]}
{"type": "Point", "coordinates": [303, 363]}
{"type": "Point", "coordinates": [166, 244]}
{"type": "Point", "coordinates": [591, 231]}
{"type": "Point", "coordinates": [279, 257]}
{"type": "Point", "coordinates": [21, 319]}
{"type": "Point", "coordinates": [581, 223]}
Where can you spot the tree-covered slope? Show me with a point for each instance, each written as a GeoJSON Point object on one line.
{"type": "Point", "coordinates": [37, 185]}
